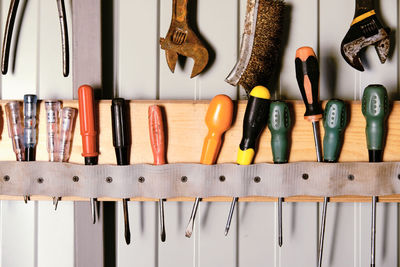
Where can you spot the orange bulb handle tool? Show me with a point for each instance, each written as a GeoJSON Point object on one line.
{"type": "Point", "coordinates": [87, 121]}
{"type": "Point", "coordinates": [157, 137]}
{"type": "Point", "coordinates": [307, 74]}
{"type": "Point", "coordinates": [218, 120]}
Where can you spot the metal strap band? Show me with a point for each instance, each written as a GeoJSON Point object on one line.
{"type": "Point", "coordinates": [165, 181]}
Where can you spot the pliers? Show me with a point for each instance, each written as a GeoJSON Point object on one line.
{"type": "Point", "coordinates": [12, 13]}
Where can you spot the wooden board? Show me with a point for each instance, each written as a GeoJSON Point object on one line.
{"type": "Point", "coordinates": [186, 131]}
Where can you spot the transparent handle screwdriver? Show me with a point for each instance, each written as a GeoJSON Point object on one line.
{"type": "Point", "coordinates": [67, 118]}
{"type": "Point", "coordinates": [15, 129]}
{"type": "Point", "coordinates": [30, 102]}
{"type": "Point", "coordinates": [52, 121]}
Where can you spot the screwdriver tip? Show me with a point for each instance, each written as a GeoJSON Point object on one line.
{"type": "Point", "coordinates": [226, 231]}
{"type": "Point", "coordinates": [280, 241]}
{"type": "Point", "coordinates": [163, 237]}
{"type": "Point", "coordinates": [128, 238]}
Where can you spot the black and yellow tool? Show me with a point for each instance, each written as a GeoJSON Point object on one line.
{"type": "Point", "coordinates": [254, 121]}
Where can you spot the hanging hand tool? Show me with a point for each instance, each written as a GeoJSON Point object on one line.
{"type": "Point", "coordinates": [335, 120]}
{"type": "Point", "coordinates": [365, 30]}
{"type": "Point", "coordinates": [182, 40]}
{"type": "Point", "coordinates": [53, 108]}
{"type": "Point", "coordinates": [64, 139]}
{"type": "Point", "coordinates": [30, 129]}
{"type": "Point", "coordinates": [279, 124]}
{"type": "Point", "coordinates": [121, 142]}
{"type": "Point", "coordinates": [157, 140]}
{"type": "Point", "coordinates": [218, 120]}
{"type": "Point", "coordinates": [12, 13]}
{"type": "Point", "coordinates": [254, 121]}
{"type": "Point", "coordinates": [88, 133]}
{"type": "Point", "coordinates": [307, 74]}
{"type": "Point", "coordinates": [15, 129]}
{"type": "Point", "coordinates": [375, 108]}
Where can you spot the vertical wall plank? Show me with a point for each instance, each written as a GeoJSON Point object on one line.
{"type": "Point", "coordinates": [21, 79]}
{"type": "Point", "coordinates": [53, 85]}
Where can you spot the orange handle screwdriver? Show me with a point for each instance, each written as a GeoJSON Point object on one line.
{"type": "Point", "coordinates": [218, 120]}
{"type": "Point", "coordinates": [88, 132]}
{"type": "Point", "coordinates": [157, 141]}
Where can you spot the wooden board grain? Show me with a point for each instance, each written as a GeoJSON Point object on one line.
{"type": "Point", "coordinates": [186, 130]}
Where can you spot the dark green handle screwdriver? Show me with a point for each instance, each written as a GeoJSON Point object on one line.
{"type": "Point", "coordinates": [335, 121]}
{"type": "Point", "coordinates": [279, 124]}
{"type": "Point", "coordinates": [375, 108]}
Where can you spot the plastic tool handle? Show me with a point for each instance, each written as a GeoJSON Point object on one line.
{"type": "Point", "coordinates": [30, 102]}
{"type": "Point", "coordinates": [335, 121]}
{"type": "Point", "coordinates": [218, 120]}
{"type": "Point", "coordinates": [120, 130]}
{"type": "Point", "coordinates": [254, 121]}
{"type": "Point", "coordinates": [375, 108]}
{"type": "Point", "coordinates": [279, 124]}
{"type": "Point", "coordinates": [307, 75]}
{"type": "Point", "coordinates": [157, 137]}
{"type": "Point", "coordinates": [87, 123]}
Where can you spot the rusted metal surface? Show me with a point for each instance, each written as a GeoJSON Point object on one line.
{"type": "Point", "coordinates": [182, 40]}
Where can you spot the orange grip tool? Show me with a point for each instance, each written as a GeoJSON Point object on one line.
{"type": "Point", "coordinates": [157, 137]}
{"type": "Point", "coordinates": [87, 122]}
{"type": "Point", "coordinates": [218, 120]}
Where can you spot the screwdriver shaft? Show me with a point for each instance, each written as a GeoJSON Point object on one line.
{"type": "Point", "coordinates": [322, 231]}
{"type": "Point", "coordinates": [162, 224]}
{"type": "Point", "coordinates": [373, 230]}
{"type": "Point", "coordinates": [317, 140]}
{"type": "Point", "coordinates": [126, 221]}
{"type": "Point", "coordinates": [189, 228]}
{"type": "Point", "coordinates": [280, 239]}
{"type": "Point", "coordinates": [228, 222]}
{"type": "Point", "coordinates": [93, 209]}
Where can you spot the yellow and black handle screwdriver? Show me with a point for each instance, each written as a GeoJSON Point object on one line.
{"type": "Point", "coordinates": [279, 124]}
{"type": "Point", "coordinates": [218, 119]}
{"type": "Point", "coordinates": [254, 121]}
{"type": "Point", "coordinates": [307, 74]}
{"type": "Point", "coordinates": [375, 108]}
{"type": "Point", "coordinates": [121, 142]}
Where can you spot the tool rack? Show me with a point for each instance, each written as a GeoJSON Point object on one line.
{"type": "Point", "coordinates": [186, 130]}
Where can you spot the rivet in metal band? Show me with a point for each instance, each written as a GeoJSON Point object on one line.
{"type": "Point", "coordinates": [257, 179]}
{"type": "Point", "coordinates": [6, 178]}
{"type": "Point", "coordinates": [75, 179]}
{"type": "Point", "coordinates": [109, 180]}
{"type": "Point", "coordinates": [184, 179]}
{"type": "Point", "coordinates": [222, 178]}
{"type": "Point", "coordinates": [305, 176]}
{"type": "Point", "coordinates": [350, 177]}
{"type": "Point", "coordinates": [141, 179]}
{"type": "Point", "coordinates": [40, 180]}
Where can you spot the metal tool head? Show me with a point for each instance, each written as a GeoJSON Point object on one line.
{"type": "Point", "coordinates": [362, 33]}
{"type": "Point", "coordinates": [183, 41]}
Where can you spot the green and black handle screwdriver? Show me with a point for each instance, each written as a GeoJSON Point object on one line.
{"type": "Point", "coordinates": [279, 124]}
{"type": "Point", "coordinates": [254, 121]}
{"type": "Point", "coordinates": [375, 108]}
{"type": "Point", "coordinates": [335, 121]}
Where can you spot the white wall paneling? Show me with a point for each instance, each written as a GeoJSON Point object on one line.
{"type": "Point", "coordinates": [35, 235]}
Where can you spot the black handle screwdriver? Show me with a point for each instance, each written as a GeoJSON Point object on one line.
{"type": "Point", "coordinates": [254, 121]}
{"type": "Point", "coordinates": [121, 142]}
{"type": "Point", "coordinates": [279, 124]}
{"type": "Point", "coordinates": [307, 74]}
{"type": "Point", "coordinates": [375, 108]}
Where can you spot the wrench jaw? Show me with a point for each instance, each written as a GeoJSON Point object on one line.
{"type": "Point", "coordinates": [364, 33]}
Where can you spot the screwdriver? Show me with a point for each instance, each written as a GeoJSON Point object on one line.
{"type": "Point", "coordinates": [121, 142]}
{"type": "Point", "coordinates": [307, 74]}
{"type": "Point", "coordinates": [15, 129]}
{"type": "Point", "coordinates": [88, 133]}
{"type": "Point", "coordinates": [218, 120]}
{"type": "Point", "coordinates": [375, 108]}
{"type": "Point", "coordinates": [335, 120]}
{"type": "Point", "coordinates": [52, 119]}
{"type": "Point", "coordinates": [254, 121]}
{"type": "Point", "coordinates": [65, 138]}
{"type": "Point", "coordinates": [279, 124]}
{"type": "Point", "coordinates": [157, 140]}
{"type": "Point", "coordinates": [29, 129]}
